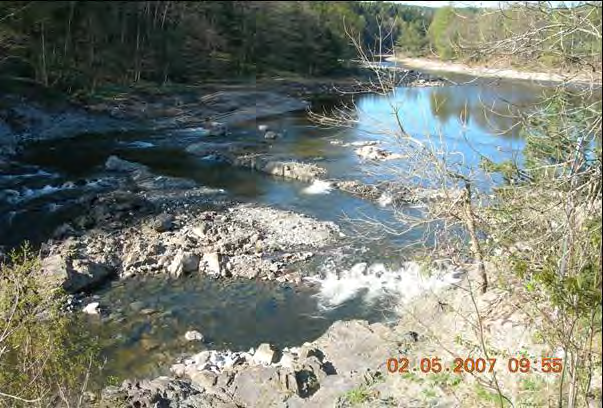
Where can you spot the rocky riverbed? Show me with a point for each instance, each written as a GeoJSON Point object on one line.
{"type": "Point", "coordinates": [125, 234]}
{"type": "Point", "coordinates": [148, 220]}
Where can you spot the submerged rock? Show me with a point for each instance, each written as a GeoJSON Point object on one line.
{"type": "Point", "coordinates": [270, 135]}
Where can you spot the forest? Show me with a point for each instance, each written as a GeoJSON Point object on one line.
{"type": "Point", "coordinates": [78, 45]}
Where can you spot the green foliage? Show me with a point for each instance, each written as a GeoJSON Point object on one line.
{"type": "Point", "coordinates": [443, 33]}
{"type": "Point", "coordinates": [481, 35]}
{"type": "Point", "coordinates": [399, 25]}
{"type": "Point", "coordinates": [359, 396]}
{"type": "Point", "coordinates": [489, 397]}
{"type": "Point", "coordinates": [413, 39]}
{"type": "Point", "coordinates": [79, 45]}
{"type": "Point", "coordinates": [43, 352]}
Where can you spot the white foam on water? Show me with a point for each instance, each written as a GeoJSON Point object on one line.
{"type": "Point", "coordinates": [318, 187]}
{"type": "Point", "coordinates": [139, 144]}
{"type": "Point", "coordinates": [29, 193]}
{"type": "Point", "coordinates": [374, 282]}
{"type": "Point", "coordinates": [385, 199]}
{"type": "Point", "coordinates": [39, 173]}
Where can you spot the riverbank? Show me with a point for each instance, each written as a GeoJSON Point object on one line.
{"type": "Point", "coordinates": [31, 112]}
{"type": "Point", "coordinates": [356, 364]}
{"type": "Point", "coordinates": [442, 67]}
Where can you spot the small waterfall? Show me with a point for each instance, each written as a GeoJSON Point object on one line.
{"type": "Point", "coordinates": [318, 187]}
{"type": "Point", "coordinates": [375, 282]}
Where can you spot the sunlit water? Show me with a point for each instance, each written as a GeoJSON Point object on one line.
{"type": "Point", "coordinates": [147, 319]}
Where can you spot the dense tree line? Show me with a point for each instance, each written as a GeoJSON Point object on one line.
{"type": "Point", "coordinates": [80, 44]}
{"type": "Point", "coordinates": [75, 45]}
{"type": "Point", "coordinates": [526, 34]}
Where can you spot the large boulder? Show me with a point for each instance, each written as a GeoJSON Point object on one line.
{"type": "Point", "coordinates": [59, 271]}
{"type": "Point", "coordinates": [263, 386]}
{"type": "Point", "coordinates": [161, 392]}
{"type": "Point", "coordinates": [288, 169]}
{"type": "Point", "coordinates": [183, 263]}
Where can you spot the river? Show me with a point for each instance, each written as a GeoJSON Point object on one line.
{"type": "Point", "coordinates": [476, 118]}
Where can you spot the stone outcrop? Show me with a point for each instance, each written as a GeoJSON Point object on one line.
{"type": "Point", "coordinates": [73, 275]}
{"type": "Point", "coordinates": [247, 241]}
{"type": "Point", "coordinates": [255, 157]}
{"type": "Point", "coordinates": [316, 374]}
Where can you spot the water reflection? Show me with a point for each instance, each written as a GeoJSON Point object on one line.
{"type": "Point", "coordinates": [482, 118]}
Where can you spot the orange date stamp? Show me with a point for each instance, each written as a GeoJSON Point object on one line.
{"type": "Point", "coordinates": [520, 365]}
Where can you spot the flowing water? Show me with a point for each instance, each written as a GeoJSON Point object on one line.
{"type": "Point", "coordinates": [144, 331]}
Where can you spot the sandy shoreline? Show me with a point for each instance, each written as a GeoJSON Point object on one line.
{"type": "Point", "coordinates": [490, 72]}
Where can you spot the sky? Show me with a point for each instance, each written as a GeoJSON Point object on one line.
{"type": "Point", "coordinates": [464, 3]}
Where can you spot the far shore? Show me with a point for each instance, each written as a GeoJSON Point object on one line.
{"type": "Point", "coordinates": [493, 72]}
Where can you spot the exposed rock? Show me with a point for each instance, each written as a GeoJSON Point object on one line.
{"type": "Point", "coordinates": [216, 128]}
{"type": "Point", "coordinates": [315, 375]}
{"type": "Point", "coordinates": [63, 231]}
{"type": "Point", "coordinates": [257, 157]}
{"type": "Point", "coordinates": [163, 222]}
{"type": "Point", "coordinates": [377, 154]}
{"type": "Point", "coordinates": [212, 263]}
{"type": "Point", "coordinates": [92, 308]}
{"type": "Point", "coordinates": [358, 143]}
{"type": "Point", "coordinates": [145, 180]}
{"type": "Point", "coordinates": [383, 194]}
{"type": "Point", "coordinates": [287, 169]}
{"type": "Point", "coordinates": [72, 275]}
{"type": "Point", "coordinates": [266, 354]}
{"type": "Point", "coordinates": [193, 335]}
{"type": "Point", "coordinates": [183, 262]}
{"type": "Point", "coordinates": [161, 392]}
{"type": "Point", "coordinates": [245, 240]}
{"type": "Point", "coordinates": [114, 163]}
{"type": "Point", "coordinates": [261, 385]}
{"type": "Point", "coordinates": [359, 189]}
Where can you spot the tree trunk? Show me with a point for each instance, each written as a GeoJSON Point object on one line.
{"type": "Point", "coordinates": [44, 73]}
{"type": "Point", "coordinates": [476, 247]}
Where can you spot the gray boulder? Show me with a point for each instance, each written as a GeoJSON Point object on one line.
{"type": "Point", "coordinates": [163, 222]}
{"type": "Point", "coordinates": [270, 135]}
{"type": "Point", "coordinates": [183, 263]}
{"type": "Point", "coordinates": [58, 271]}
{"type": "Point", "coordinates": [114, 163]}
{"type": "Point", "coordinates": [263, 386]}
{"type": "Point", "coordinates": [266, 354]}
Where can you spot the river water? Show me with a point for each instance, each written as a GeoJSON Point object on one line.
{"type": "Point", "coordinates": [148, 317]}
